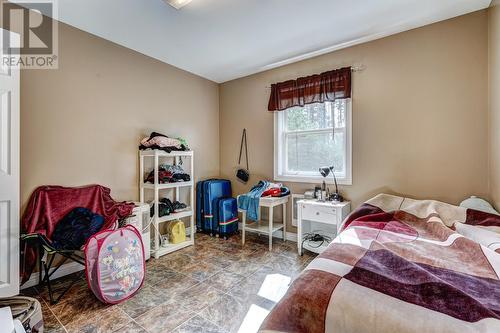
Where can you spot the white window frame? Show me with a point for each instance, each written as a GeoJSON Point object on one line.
{"type": "Point", "coordinates": [280, 156]}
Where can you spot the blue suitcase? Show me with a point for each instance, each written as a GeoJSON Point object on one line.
{"type": "Point", "coordinates": [207, 192]}
{"type": "Point", "coordinates": [200, 221]}
{"type": "Point", "coordinates": [201, 225]}
{"type": "Point", "coordinates": [212, 191]}
{"type": "Point", "coordinates": [227, 217]}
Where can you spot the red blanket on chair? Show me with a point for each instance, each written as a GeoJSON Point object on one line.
{"type": "Point", "coordinates": [49, 204]}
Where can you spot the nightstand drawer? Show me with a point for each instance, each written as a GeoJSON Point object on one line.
{"type": "Point", "coordinates": [319, 213]}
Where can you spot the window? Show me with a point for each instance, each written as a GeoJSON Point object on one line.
{"type": "Point", "coordinates": [307, 138]}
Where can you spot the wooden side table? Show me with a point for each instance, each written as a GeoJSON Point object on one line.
{"type": "Point", "coordinates": [323, 217]}
{"type": "Point", "coordinates": [266, 227]}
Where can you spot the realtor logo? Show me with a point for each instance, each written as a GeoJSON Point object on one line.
{"type": "Point", "coordinates": [35, 23]}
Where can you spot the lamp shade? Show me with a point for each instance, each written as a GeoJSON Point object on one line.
{"type": "Point", "coordinates": [325, 171]}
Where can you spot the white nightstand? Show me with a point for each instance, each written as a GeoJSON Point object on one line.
{"type": "Point", "coordinates": [324, 218]}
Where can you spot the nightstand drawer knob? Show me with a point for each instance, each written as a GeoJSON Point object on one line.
{"type": "Point", "coordinates": [317, 213]}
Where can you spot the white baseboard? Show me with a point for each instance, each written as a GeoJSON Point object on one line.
{"type": "Point", "coordinates": [64, 270]}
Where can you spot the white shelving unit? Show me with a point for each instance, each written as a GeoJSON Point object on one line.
{"type": "Point", "coordinates": [173, 157]}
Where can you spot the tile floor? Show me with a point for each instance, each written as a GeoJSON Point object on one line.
{"type": "Point", "coordinates": [215, 286]}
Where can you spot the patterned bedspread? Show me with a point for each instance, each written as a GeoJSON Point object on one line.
{"type": "Point", "coordinates": [400, 265]}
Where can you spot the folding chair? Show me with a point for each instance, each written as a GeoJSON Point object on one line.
{"type": "Point", "coordinates": [37, 219]}
{"type": "Point", "coordinates": [46, 256]}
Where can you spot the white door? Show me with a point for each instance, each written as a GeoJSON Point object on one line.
{"type": "Point", "coordinates": [9, 177]}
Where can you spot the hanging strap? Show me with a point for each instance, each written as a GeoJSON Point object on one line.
{"type": "Point", "coordinates": [244, 138]}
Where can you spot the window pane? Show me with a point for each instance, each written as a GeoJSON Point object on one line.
{"type": "Point", "coordinates": [309, 151]}
{"type": "Point", "coordinates": [316, 116]}
{"type": "Point", "coordinates": [339, 112]}
{"type": "Point", "coordinates": [309, 117]}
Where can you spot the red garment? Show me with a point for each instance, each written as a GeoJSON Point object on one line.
{"type": "Point", "coordinates": [272, 192]}
{"type": "Point", "coordinates": [49, 204]}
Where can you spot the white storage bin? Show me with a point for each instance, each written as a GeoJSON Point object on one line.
{"type": "Point", "coordinates": [140, 220]}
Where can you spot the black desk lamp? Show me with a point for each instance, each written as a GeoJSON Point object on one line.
{"type": "Point", "coordinates": [325, 171]}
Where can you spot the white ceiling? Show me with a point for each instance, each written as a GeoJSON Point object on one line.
{"type": "Point", "coordinates": [226, 39]}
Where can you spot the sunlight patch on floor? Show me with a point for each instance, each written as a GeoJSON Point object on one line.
{"type": "Point", "coordinates": [253, 319]}
{"type": "Point", "coordinates": [274, 287]}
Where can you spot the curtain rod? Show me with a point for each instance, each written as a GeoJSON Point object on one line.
{"type": "Point", "coordinates": [357, 68]}
{"type": "Point", "coordinates": [353, 69]}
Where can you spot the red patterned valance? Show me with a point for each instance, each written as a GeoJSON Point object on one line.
{"type": "Point", "coordinates": [318, 88]}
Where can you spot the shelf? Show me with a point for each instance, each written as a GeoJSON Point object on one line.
{"type": "Point", "coordinates": [269, 201]}
{"type": "Point", "coordinates": [263, 227]}
{"type": "Point", "coordinates": [169, 248]}
{"type": "Point", "coordinates": [273, 201]}
{"type": "Point", "coordinates": [151, 186]}
{"type": "Point", "coordinates": [153, 152]}
{"type": "Point", "coordinates": [175, 216]}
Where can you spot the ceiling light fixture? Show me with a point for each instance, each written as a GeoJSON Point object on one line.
{"type": "Point", "coordinates": [177, 4]}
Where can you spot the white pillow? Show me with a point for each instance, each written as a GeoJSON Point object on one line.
{"type": "Point", "coordinates": [480, 235]}
{"type": "Point", "coordinates": [478, 204]}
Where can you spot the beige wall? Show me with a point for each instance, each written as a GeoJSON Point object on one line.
{"type": "Point", "coordinates": [82, 123]}
{"type": "Point", "coordinates": [494, 103]}
{"type": "Point", "coordinates": [419, 113]}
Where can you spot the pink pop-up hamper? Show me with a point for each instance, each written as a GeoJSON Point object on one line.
{"type": "Point", "coordinates": [114, 264]}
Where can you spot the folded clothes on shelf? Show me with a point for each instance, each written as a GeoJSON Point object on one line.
{"type": "Point", "coordinates": [174, 169]}
{"type": "Point", "coordinates": [167, 207]}
{"type": "Point", "coordinates": [163, 142]}
{"type": "Point", "coordinates": [168, 174]}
